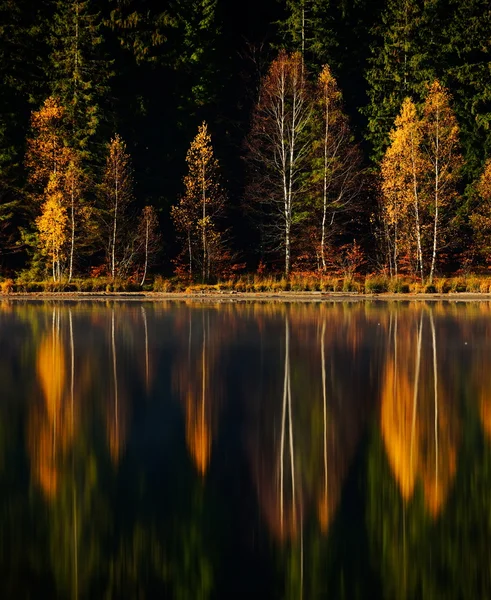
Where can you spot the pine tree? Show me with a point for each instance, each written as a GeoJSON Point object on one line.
{"type": "Point", "coordinates": [79, 71]}
{"type": "Point", "coordinates": [465, 55]}
{"type": "Point", "coordinates": [398, 68]}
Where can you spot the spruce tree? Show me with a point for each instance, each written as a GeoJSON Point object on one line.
{"type": "Point", "coordinates": [397, 69]}
{"type": "Point", "coordinates": [79, 70]}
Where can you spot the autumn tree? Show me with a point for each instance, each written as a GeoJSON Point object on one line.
{"type": "Point", "coordinates": [402, 170]}
{"type": "Point", "coordinates": [441, 144]}
{"type": "Point", "coordinates": [148, 238]}
{"type": "Point", "coordinates": [196, 216]}
{"type": "Point", "coordinates": [75, 183]}
{"type": "Point", "coordinates": [337, 161]}
{"type": "Point", "coordinates": [117, 195]}
{"type": "Point", "coordinates": [47, 152]}
{"type": "Point", "coordinates": [480, 219]}
{"type": "Point", "coordinates": [279, 152]}
{"type": "Point", "coordinates": [53, 223]}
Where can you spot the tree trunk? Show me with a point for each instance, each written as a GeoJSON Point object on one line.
{"type": "Point", "coordinates": [115, 222]}
{"type": "Point", "coordinates": [437, 189]}
{"type": "Point", "coordinates": [146, 253]}
{"type": "Point", "coordinates": [72, 241]}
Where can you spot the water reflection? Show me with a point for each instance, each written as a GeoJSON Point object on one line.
{"type": "Point", "coordinates": [198, 450]}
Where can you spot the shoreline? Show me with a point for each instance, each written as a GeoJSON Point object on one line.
{"type": "Point", "coordinates": [226, 296]}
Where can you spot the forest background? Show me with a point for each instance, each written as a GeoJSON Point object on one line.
{"type": "Point", "coordinates": [206, 140]}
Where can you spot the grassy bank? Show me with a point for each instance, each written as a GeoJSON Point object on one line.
{"type": "Point", "coordinates": [371, 284]}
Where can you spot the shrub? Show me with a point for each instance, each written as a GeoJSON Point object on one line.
{"type": "Point", "coordinates": [443, 286]}
{"type": "Point", "coordinates": [458, 284]}
{"type": "Point", "coordinates": [430, 288]}
{"type": "Point", "coordinates": [7, 286]}
{"type": "Point", "coordinates": [376, 284]}
{"type": "Point", "coordinates": [397, 285]}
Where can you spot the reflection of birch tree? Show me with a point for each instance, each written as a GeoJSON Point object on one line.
{"type": "Point", "coordinates": [419, 432]}
{"type": "Point", "coordinates": [198, 382]}
{"type": "Point", "coordinates": [116, 410]}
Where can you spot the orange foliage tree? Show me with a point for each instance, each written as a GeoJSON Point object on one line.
{"type": "Point", "coordinates": [336, 169]}
{"type": "Point", "coordinates": [197, 214]}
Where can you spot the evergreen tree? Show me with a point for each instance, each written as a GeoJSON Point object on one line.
{"type": "Point", "coordinates": [397, 68]}
{"type": "Point", "coordinates": [464, 69]}
{"type": "Point", "coordinates": [79, 70]}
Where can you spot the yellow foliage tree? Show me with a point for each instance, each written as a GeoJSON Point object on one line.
{"type": "Point", "coordinates": [481, 218]}
{"type": "Point", "coordinates": [441, 144]}
{"type": "Point", "coordinates": [52, 224]}
{"type": "Point", "coordinates": [403, 167]}
{"type": "Point", "coordinates": [202, 204]}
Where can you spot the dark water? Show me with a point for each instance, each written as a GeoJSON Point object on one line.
{"type": "Point", "coordinates": [245, 450]}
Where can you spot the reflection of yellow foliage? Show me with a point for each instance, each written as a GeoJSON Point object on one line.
{"type": "Point", "coordinates": [324, 512]}
{"type": "Point", "coordinates": [42, 452]}
{"type": "Point", "coordinates": [50, 428]}
{"type": "Point", "coordinates": [396, 422]}
{"type": "Point", "coordinates": [51, 373]}
{"type": "Point", "coordinates": [485, 412]}
{"type": "Point", "coordinates": [116, 431]}
{"type": "Point", "coordinates": [198, 434]}
{"type": "Point", "coordinates": [419, 431]}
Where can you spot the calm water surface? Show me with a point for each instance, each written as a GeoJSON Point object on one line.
{"type": "Point", "coordinates": [245, 450]}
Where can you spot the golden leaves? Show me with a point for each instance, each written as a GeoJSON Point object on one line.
{"type": "Point", "coordinates": [418, 422]}
{"type": "Point", "coordinates": [53, 221]}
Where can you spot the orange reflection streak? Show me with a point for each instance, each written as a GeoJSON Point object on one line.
{"type": "Point", "coordinates": [418, 424]}
{"type": "Point", "coordinates": [397, 428]}
{"type": "Point", "coordinates": [50, 427]}
{"type": "Point", "coordinates": [197, 381]}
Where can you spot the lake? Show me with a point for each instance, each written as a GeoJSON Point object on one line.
{"type": "Point", "coordinates": [194, 450]}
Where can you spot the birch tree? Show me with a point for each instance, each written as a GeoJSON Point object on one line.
{"type": "Point", "coordinates": [441, 144]}
{"type": "Point", "coordinates": [52, 225]}
{"type": "Point", "coordinates": [148, 238]}
{"type": "Point", "coordinates": [279, 150]}
{"type": "Point", "coordinates": [403, 168]}
{"type": "Point", "coordinates": [337, 163]}
{"type": "Point", "coordinates": [117, 194]}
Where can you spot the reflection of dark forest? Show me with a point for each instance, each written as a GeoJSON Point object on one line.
{"type": "Point", "coordinates": [201, 450]}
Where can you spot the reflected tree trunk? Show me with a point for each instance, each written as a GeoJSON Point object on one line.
{"type": "Point", "coordinates": [287, 409]}
{"type": "Point", "coordinates": [435, 382]}
{"type": "Point", "coordinates": [145, 327]}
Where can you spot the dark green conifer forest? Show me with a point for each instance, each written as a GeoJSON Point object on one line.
{"type": "Point", "coordinates": [204, 140]}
